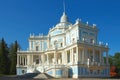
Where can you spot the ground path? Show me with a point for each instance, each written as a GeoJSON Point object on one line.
{"type": "Point", "coordinates": [17, 78]}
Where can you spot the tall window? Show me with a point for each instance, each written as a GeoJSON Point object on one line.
{"type": "Point", "coordinates": [32, 44]}
{"type": "Point", "coordinates": [37, 48]}
{"type": "Point", "coordinates": [98, 71]}
{"type": "Point", "coordinates": [68, 56]}
{"type": "Point", "coordinates": [91, 71]}
{"type": "Point", "coordinates": [37, 61]}
{"type": "Point", "coordinates": [91, 40]}
{"type": "Point", "coordinates": [91, 58]}
{"type": "Point", "coordinates": [73, 39]}
{"type": "Point", "coordinates": [61, 45]}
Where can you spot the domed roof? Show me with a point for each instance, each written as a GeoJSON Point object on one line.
{"type": "Point", "coordinates": [63, 24]}
{"type": "Point", "coordinates": [64, 18]}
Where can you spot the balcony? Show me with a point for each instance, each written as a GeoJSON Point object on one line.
{"type": "Point", "coordinates": [100, 44]}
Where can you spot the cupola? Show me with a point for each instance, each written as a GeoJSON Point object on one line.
{"type": "Point", "coordinates": [64, 18]}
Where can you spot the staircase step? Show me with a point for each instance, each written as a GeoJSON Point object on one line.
{"type": "Point", "coordinates": [43, 76]}
{"type": "Point", "coordinates": [36, 75]}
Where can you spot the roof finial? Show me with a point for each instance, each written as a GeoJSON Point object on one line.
{"type": "Point", "coordinates": [64, 5]}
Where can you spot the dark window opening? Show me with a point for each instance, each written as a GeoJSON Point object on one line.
{"type": "Point", "coordinates": [37, 61]}
{"type": "Point", "coordinates": [37, 48]}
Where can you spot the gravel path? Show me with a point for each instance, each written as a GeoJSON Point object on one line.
{"type": "Point", "coordinates": [16, 78]}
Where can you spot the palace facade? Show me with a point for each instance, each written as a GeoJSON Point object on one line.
{"type": "Point", "coordinates": [69, 50]}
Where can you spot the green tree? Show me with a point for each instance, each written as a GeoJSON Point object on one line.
{"type": "Point", "coordinates": [117, 61]}
{"type": "Point", "coordinates": [111, 60]}
{"type": "Point", "coordinates": [4, 60]}
{"type": "Point", "coordinates": [13, 57]}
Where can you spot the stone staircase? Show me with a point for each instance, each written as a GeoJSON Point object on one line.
{"type": "Point", "coordinates": [43, 76]}
{"type": "Point", "coordinates": [35, 76]}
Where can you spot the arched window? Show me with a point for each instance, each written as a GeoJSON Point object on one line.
{"type": "Point", "coordinates": [23, 71]}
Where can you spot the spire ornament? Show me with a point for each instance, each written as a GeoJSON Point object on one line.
{"type": "Point", "coordinates": [64, 6]}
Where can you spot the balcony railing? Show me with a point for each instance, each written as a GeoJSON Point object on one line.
{"type": "Point", "coordinates": [95, 44]}
{"type": "Point", "coordinates": [100, 44]}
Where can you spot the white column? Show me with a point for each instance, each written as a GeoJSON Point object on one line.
{"type": "Point", "coordinates": [93, 55]}
{"type": "Point", "coordinates": [88, 54]}
{"type": "Point", "coordinates": [42, 45]}
{"type": "Point", "coordinates": [30, 45]}
{"type": "Point", "coordinates": [17, 59]}
{"type": "Point", "coordinates": [80, 55]}
{"type": "Point", "coordinates": [43, 58]}
{"type": "Point", "coordinates": [107, 57]}
{"type": "Point", "coordinates": [103, 58]}
{"type": "Point", "coordinates": [55, 60]}
{"type": "Point", "coordinates": [32, 59]}
{"type": "Point", "coordinates": [24, 60]}
{"type": "Point", "coordinates": [100, 56]}
{"type": "Point", "coordinates": [83, 55]}
{"type": "Point", "coordinates": [47, 59]}
{"type": "Point", "coordinates": [64, 41]}
{"type": "Point", "coordinates": [39, 59]}
{"type": "Point", "coordinates": [60, 58]}
{"type": "Point", "coordinates": [72, 55]}
{"type": "Point", "coordinates": [77, 54]}
{"type": "Point", "coordinates": [63, 58]}
{"type": "Point", "coordinates": [66, 57]}
{"type": "Point", "coordinates": [48, 43]}
{"type": "Point", "coordinates": [20, 59]}
{"type": "Point", "coordinates": [28, 59]}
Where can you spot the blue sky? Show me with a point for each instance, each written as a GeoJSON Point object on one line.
{"type": "Point", "coordinates": [19, 18]}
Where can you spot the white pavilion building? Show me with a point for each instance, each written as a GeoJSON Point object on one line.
{"type": "Point", "coordinates": [68, 50]}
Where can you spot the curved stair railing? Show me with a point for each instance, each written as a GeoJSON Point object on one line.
{"type": "Point", "coordinates": [30, 68]}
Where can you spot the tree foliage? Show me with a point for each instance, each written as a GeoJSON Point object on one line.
{"type": "Point", "coordinates": [113, 71]}
{"type": "Point", "coordinates": [115, 61]}
{"type": "Point", "coordinates": [8, 57]}
{"type": "Point", "coordinates": [4, 60]}
{"type": "Point", "coordinates": [13, 57]}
